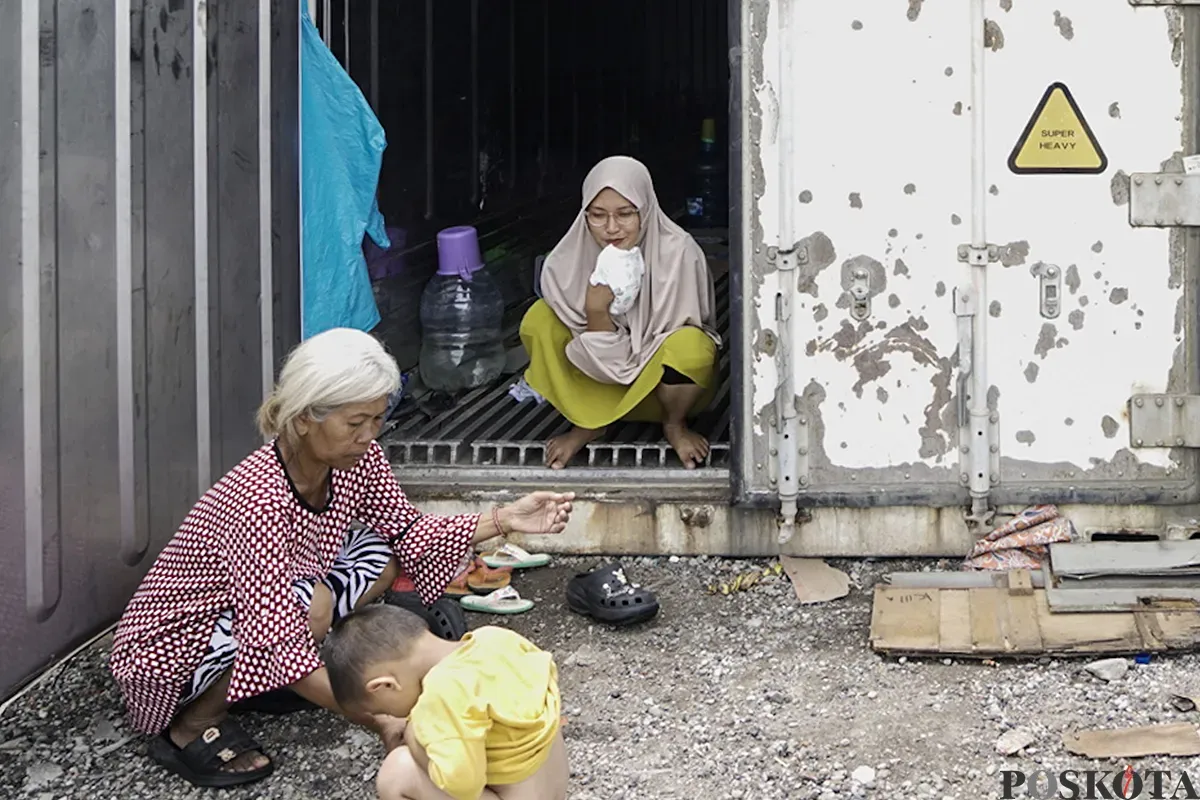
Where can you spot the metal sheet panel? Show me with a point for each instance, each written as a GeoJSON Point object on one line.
{"type": "Point", "coordinates": [170, 355]}
{"type": "Point", "coordinates": [234, 218]}
{"type": "Point", "coordinates": [98, 358]}
{"type": "Point", "coordinates": [13, 59]}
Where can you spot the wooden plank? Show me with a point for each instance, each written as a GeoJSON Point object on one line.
{"type": "Point", "coordinates": [992, 622]}
{"type": "Point", "coordinates": [1024, 631]}
{"type": "Point", "coordinates": [1149, 629]}
{"type": "Point", "coordinates": [987, 619]}
{"type": "Point", "coordinates": [1020, 582]}
{"type": "Point", "coordinates": [954, 628]}
{"type": "Point", "coordinates": [1086, 633]}
{"type": "Point", "coordinates": [1178, 630]}
{"type": "Point", "coordinates": [905, 619]}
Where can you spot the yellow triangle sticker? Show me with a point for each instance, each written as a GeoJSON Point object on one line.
{"type": "Point", "coordinates": [1057, 139]}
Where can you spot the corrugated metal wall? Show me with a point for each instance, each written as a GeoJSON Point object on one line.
{"type": "Point", "coordinates": [132, 352]}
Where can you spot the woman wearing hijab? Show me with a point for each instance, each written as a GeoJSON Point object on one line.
{"type": "Point", "coordinates": [626, 326]}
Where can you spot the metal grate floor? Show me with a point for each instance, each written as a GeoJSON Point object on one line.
{"type": "Point", "coordinates": [488, 428]}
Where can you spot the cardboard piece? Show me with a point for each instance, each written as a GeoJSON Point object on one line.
{"type": "Point", "coordinates": [1179, 739]}
{"type": "Point", "coordinates": [987, 622]}
{"type": "Point", "coordinates": [815, 581]}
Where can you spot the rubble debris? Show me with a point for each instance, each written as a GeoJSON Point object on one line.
{"type": "Point", "coordinates": [41, 774]}
{"type": "Point", "coordinates": [864, 776]}
{"type": "Point", "coordinates": [744, 581]}
{"type": "Point", "coordinates": [1014, 741]}
{"type": "Point", "coordinates": [1108, 669]}
{"type": "Point", "coordinates": [1186, 702]}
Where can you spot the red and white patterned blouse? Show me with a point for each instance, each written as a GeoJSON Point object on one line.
{"type": "Point", "coordinates": [241, 547]}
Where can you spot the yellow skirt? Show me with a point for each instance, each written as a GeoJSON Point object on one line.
{"type": "Point", "coordinates": [590, 404]}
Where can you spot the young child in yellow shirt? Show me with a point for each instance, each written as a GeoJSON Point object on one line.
{"type": "Point", "coordinates": [482, 713]}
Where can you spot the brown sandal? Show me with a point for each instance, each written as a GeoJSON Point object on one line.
{"type": "Point", "coordinates": [483, 579]}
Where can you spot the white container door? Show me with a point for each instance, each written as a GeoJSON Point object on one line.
{"type": "Point", "coordinates": [1087, 311]}
{"type": "Point", "coordinates": [864, 194]}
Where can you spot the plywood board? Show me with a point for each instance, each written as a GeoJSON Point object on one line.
{"type": "Point", "coordinates": [1179, 739]}
{"type": "Point", "coordinates": [993, 622]}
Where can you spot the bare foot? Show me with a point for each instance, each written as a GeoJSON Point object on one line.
{"type": "Point", "coordinates": [691, 447]}
{"type": "Point", "coordinates": [561, 449]}
{"type": "Point", "coordinates": [182, 736]}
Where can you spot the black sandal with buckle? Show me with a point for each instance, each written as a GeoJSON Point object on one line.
{"type": "Point", "coordinates": [202, 762]}
{"type": "Point", "coordinates": [277, 702]}
{"type": "Point", "coordinates": [607, 595]}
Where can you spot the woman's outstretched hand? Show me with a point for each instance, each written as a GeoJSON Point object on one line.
{"type": "Point", "coordinates": [539, 512]}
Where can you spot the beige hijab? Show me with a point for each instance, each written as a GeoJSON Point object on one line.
{"type": "Point", "coordinates": [677, 288]}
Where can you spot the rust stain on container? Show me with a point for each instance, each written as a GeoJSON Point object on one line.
{"type": "Point", "coordinates": [1064, 26]}
{"type": "Point", "coordinates": [1014, 253]}
{"type": "Point", "coordinates": [993, 36]}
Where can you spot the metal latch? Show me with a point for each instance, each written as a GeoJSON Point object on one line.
{"type": "Point", "coordinates": [964, 310]}
{"type": "Point", "coordinates": [860, 294]}
{"type": "Point", "coordinates": [1164, 199]}
{"type": "Point", "coordinates": [1164, 420]}
{"type": "Point", "coordinates": [1049, 289]}
{"type": "Point", "coordinates": [978, 256]}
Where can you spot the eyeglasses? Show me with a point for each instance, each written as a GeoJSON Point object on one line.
{"type": "Point", "coordinates": [625, 218]}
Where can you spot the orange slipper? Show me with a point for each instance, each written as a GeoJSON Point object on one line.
{"type": "Point", "coordinates": [459, 587]}
{"type": "Point", "coordinates": [482, 579]}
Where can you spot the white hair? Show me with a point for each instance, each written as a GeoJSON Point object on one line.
{"type": "Point", "coordinates": [332, 369]}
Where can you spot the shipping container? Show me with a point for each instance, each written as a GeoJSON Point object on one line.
{"type": "Point", "coordinates": [959, 275]}
{"type": "Point", "coordinates": [149, 286]}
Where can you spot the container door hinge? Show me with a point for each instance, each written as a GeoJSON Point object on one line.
{"type": "Point", "coordinates": [1164, 420]}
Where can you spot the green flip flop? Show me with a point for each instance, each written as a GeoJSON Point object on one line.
{"type": "Point", "coordinates": [510, 555]}
{"type": "Point", "coordinates": [501, 601]}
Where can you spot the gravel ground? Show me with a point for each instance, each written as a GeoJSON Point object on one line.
{"type": "Point", "coordinates": [745, 696]}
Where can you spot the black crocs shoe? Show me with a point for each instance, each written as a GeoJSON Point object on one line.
{"type": "Point", "coordinates": [445, 617]}
{"type": "Point", "coordinates": [607, 595]}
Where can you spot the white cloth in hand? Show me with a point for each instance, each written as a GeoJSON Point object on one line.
{"type": "Point", "coordinates": [621, 271]}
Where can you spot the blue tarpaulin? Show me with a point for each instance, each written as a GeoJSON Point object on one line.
{"type": "Point", "coordinates": [341, 145]}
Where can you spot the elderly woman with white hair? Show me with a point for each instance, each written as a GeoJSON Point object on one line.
{"type": "Point", "coordinates": [238, 602]}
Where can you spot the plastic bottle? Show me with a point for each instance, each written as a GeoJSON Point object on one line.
{"type": "Point", "coordinates": [708, 195]}
{"type": "Point", "coordinates": [461, 315]}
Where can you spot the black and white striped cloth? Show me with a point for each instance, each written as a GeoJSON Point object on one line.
{"type": "Point", "coordinates": [361, 561]}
